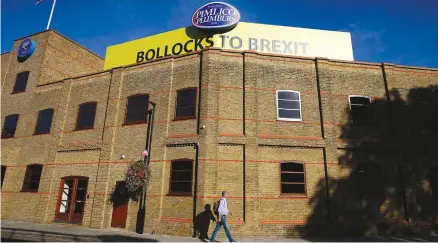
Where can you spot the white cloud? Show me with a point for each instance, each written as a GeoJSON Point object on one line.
{"type": "Point", "coordinates": [367, 42]}
{"type": "Point", "coordinates": [98, 44]}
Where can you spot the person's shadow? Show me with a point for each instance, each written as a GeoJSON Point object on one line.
{"type": "Point", "coordinates": [202, 223]}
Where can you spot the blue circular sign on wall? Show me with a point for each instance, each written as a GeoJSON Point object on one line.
{"type": "Point", "coordinates": [216, 15]}
{"type": "Point", "coordinates": [26, 49]}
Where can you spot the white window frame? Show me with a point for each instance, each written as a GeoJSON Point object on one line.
{"type": "Point", "coordinates": [289, 119]}
{"type": "Point", "coordinates": [362, 96]}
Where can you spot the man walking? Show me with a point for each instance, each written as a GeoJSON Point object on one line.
{"type": "Point", "coordinates": [222, 218]}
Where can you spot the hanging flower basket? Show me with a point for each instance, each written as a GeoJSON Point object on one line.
{"type": "Point", "coordinates": [137, 177]}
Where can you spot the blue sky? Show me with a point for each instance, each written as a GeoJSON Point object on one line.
{"type": "Point", "coordinates": [395, 31]}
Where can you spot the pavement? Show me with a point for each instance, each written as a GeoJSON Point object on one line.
{"type": "Point", "coordinates": [17, 231]}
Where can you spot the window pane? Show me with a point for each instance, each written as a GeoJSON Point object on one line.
{"type": "Point", "coordinates": [87, 113]}
{"type": "Point", "coordinates": [10, 126]}
{"type": "Point", "coordinates": [190, 102]}
{"type": "Point", "coordinates": [138, 100]}
{"type": "Point", "coordinates": [64, 207]}
{"type": "Point", "coordinates": [361, 114]}
{"type": "Point", "coordinates": [293, 188]}
{"type": "Point", "coordinates": [137, 109]}
{"type": "Point", "coordinates": [79, 207]}
{"type": "Point", "coordinates": [44, 121]}
{"type": "Point", "coordinates": [21, 81]}
{"type": "Point", "coordinates": [35, 177]}
{"type": "Point", "coordinates": [68, 184]}
{"type": "Point", "coordinates": [82, 183]}
{"type": "Point", "coordinates": [360, 101]}
{"type": "Point", "coordinates": [142, 116]}
{"type": "Point", "coordinates": [293, 167]}
{"type": "Point", "coordinates": [290, 114]}
{"type": "Point", "coordinates": [288, 95]}
{"type": "Point", "coordinates": [32, 177]}
{"type": "Point", "coordinates": [66, 194]}
{"type": "Point", "coordinates": [288, 177]}
{"type": "Point", "coordinates": [36, 168]}
{"type": "Point", "coordinates": [187, 94]}
{"type": "Point", "coordinates": [182, 165]}
{"type": "Point", "coordinates": [80, 195]}
{"type": "Point", "coordinates": [181, 187]}
{"type": "Point", "coordinates": [188, 111]}
{"type": "Point", "coordinates": [286, 104]}
{"type": "Point", "coordinates": [181, 175]}
{"type": "Point", "coordinates": [3, 174]}
{"type": "Point", "coordinates": [186, 103]}
{"type": "Point", "coordinates": [33, 185]}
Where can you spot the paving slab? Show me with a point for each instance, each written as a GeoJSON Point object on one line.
{"type": "Point", "coordinates": [13, 231]}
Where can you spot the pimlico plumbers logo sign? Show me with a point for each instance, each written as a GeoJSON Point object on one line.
{"type": "Point", "coordinates": [216, 15]}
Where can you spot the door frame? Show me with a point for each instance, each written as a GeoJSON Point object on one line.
{"type": "Point", "coordinates": [73, 198]}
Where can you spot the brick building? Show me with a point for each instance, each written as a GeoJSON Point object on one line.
{"type": "Point", "coordinates": [302, 144]}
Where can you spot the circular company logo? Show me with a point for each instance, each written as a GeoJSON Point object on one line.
{"type": "Point", "coordinates": [26, 49]}
{"type": "Point", "coordinates": [216, 15]}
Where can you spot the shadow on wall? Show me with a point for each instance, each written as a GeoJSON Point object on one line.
{"type": "Point", "coordinates": [388, 176]}
{"type": "Point", "coordinates": [119, 196]}
{"type": "Point", "coordinates": [202, 223]}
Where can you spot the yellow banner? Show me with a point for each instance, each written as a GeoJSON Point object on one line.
{"type": "Point", "coordinates": [246, 36]}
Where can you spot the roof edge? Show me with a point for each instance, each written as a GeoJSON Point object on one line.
{"type": "Point", "coordinates": [65, 37]}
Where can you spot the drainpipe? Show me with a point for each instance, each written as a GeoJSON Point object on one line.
{"type": "Point", "coordinates": [195, 190]}
{"type": "Point", "coordinates": [141, 214]}
{"type": "Point", "coordinates": [391, 124]}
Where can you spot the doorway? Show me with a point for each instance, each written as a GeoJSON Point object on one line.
{"type": "Point", "coordinates": [120, 201]}
{"type": "Point", "coordinates": [71, 199]}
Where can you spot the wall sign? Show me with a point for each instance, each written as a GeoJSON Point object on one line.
{"type": "Point", "coordinates": [244, 37]}
{"type": "Point", "coordinates": [216, 15]}
{"type": "Point", "coordinates": [26, 49]}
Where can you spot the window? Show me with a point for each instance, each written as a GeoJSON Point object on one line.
{"type": "Point", "coordinates": [21, 82]}
{"type": "Point", "coordinates": [44, 121]}
{"type": "Point", "coordinates": [10, 126]}
{"type": "Point", "coordinates": [369, 180]}
{"type": "Point", "coordinates": [360, 109]}
{"type": "Point", "coordinates": [181, 177]}
{"type": "Point", "coordinates": [137, 109]}
{"type": "Point", "coordinates": [71, 199]}
{"type": "Point", "coordinates": [293, 180]}
{"type": "Point", "coordinates": [86, 115]}
{"type": "Point", "coordinates": [32, 178]}
{"type": "Point", "coordinates": [434, 181]}
{"type": "Point", "coordinates": [185, 104]}
{"type": "Point", "coordinates": [3, 174]}
{"type": "Point", "coordinates": [288, 105]}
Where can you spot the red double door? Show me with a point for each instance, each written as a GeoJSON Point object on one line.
{"type": "Point", "coordinates": [71, 199]}
{"type": "Point", "coordinates": [71, 202]}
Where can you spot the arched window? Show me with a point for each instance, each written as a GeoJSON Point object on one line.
{"type": "Point", "coordinates": [10, 125]}
{"type": "Point", "coordinates": [71, 199]}
{"type": "Point", "coordinates": [288, 105]}
{"type": "Point", "coordinates": [185, 104]}
{"type": "Point", "coordinates": [86, 116]}
{"type": "Point", "coordinates": [137, 109]}
{"type": "Point", "coordinates": [360, 109]}
{"type": "Point", "coordinates": [44, 121]}
{"type": "Point", "coordinates": [369, 180]}
{"type": "Point", "coordinates": [293, 178]}
{"type": "Point", "coordinates": [32, 178]}
{"type": "Point", "coordinates": [181, 177]}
